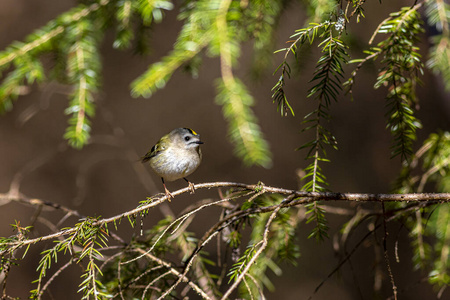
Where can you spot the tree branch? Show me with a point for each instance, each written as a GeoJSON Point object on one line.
{"type": "Point", "coordinates": [301, 197]}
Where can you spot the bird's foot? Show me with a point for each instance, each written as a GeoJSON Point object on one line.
{"type": "Point", "coordinates": [191, 187]}
{"type": "Point", "coordinates": [168, 194]}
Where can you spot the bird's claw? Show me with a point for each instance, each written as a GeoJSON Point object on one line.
{"type": "Point", "coordinates": [168, 194]}
{"type": "Point", "coordinates": [191, 188]}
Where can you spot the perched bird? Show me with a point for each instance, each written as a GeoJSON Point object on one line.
{"type": "Point", "coordinates": [176, 155]}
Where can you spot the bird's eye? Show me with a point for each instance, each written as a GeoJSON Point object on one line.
{"type": "Point", "coordinates": [187, 138]}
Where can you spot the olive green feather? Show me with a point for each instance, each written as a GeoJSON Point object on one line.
{"type": "Point", "coordinates": [156, 149]}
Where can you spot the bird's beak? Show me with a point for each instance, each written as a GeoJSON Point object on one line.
{"type": "Point", "coordinates": [199, 142]}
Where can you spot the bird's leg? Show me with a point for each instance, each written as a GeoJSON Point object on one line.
{"type": "Point", "coordinates": [191, 186]}
{"type": "Point", "coordinates": [168, 194]}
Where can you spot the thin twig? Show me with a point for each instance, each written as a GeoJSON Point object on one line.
{"type": "Point", "coordinates": [342, 262]}
{"type": "Point", "coordinates": [386, 255]}
{"type": "Point", "coordinates": [149, 285]}
{"type": "Point", "coordinates": [182, 277]}
{"type": "Point", "coordinates": [254, 257]}
{"type": "Point", "coordinates": [371, 231]}
{"type": "Point", "coordinates": [56, 274]}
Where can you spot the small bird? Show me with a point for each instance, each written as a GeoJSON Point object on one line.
{"type": "Point", "coordinates": [176, 155]}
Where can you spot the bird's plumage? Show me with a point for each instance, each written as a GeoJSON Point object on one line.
{"type": "Point", "coordinates": [176, 155]}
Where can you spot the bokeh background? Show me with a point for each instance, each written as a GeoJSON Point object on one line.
{"type": "Point", "coordinates": [105, 178]}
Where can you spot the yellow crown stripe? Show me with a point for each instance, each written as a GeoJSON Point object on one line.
{"type": "Point", "coordinates": [192, 131]}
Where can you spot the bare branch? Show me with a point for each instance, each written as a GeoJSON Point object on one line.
{"type": "Point", "coordinates": [301, 198]}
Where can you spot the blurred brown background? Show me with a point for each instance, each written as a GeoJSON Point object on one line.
{"type": "Point", "coordinates": [105, 178]}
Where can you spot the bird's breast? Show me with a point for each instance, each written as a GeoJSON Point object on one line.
{"type": "Point", "coordinates": [173, 165]}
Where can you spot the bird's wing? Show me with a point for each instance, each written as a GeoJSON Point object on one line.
{"type": "Point", "coordinates": [156, 149]}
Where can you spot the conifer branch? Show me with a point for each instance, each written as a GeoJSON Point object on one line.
{"type": "Point", "coordinates": [401, 70]}
{"type": "Point", "coordinates": [236, 100]}
{"type": "Point", "coordinates": [438, 15]}
{"type": "Point", "coordinates": [91, 233]}
{"type": "Point", "coordinates": [30, 46]}
{"type": "Point", "coordinates": [46, 37]}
